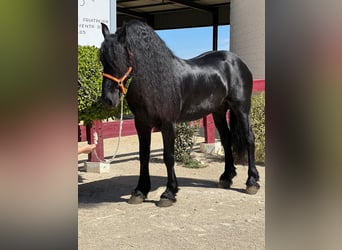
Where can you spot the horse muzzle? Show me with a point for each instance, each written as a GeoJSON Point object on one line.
{"type": "Point", "coordinates": [110, 100]}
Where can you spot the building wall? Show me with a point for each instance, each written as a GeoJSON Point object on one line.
{"type": "Point", "coordinates": [247, 33]}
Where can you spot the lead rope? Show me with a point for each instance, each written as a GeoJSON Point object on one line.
{"type": "Point", "coordinates": [120, 130]}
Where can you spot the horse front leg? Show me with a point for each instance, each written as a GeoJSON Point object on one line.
{"type": "Point", "coordinates": [169, 196]}
{"type": "Point", "coordinates": [144, 185]}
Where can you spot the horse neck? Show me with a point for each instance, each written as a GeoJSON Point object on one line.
{"type": "Point", "coordinates": [123, 63]}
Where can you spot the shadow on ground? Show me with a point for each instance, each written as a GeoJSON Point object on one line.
{"type": "Point", "coordinates": [113, 189]}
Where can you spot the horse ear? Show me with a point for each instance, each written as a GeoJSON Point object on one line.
{"type": "Point", "coordinates": [105, 30]}
{"type": "Point", "coordinates": [121, 34]}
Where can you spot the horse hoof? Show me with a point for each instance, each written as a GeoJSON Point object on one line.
{"type": "Point", "coordinates": [165, 202]}
{"type": "Point", "coordinates": [252, 189]}
{"type": "Point", "coordinates": [224, 184]}
{"type": "Point", "coordinates": [136, 199]}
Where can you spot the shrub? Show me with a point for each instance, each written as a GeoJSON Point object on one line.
{"type": "Point", "coordinates": [184, 141]}
{"type": "Point", "coordinates": [190, 162]}
{"type": "Point", "coordinates": [258, 124]}
{"type": "Point", "coordinates": [89, 87]}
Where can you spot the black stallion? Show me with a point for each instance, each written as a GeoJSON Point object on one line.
{"type": "Point", "coordinates": [165, 89]}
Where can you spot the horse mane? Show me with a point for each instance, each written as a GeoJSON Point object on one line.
{"type": "Point", "coordinates": [153, 64]}
{"type": "Point", "coordinates": [151, 56]}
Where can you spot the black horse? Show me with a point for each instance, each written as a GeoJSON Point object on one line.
{"type": "Point", "coordinates": [165, 89]}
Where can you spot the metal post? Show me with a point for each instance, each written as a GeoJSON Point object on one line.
{"type": "Point", "coordinates": [215, 15]}
{"type": "Point", "coordinates": [96, 128]}
{"type": "Point", "coordinates": [208, 122]}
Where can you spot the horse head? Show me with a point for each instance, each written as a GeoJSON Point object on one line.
{"type": "Point", "coordinates": [116, 64]}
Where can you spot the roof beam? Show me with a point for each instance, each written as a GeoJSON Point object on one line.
{"type": "Point", "coordinates": [132, 13]}
{"type": "Point", "coordinates": [151, 5]}
{"type": "Point", "coordinates": [194, 5]}
{"type": "Point", "coordinates": [148, 18]}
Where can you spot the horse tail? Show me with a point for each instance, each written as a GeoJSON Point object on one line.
{"type": "Point", "coordinates": [239, 115]}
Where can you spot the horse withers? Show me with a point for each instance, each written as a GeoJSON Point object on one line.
{"type": "Point", "coordinates": [165, 89]}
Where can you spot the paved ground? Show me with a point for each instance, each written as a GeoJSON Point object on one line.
{"type": "Point", "coordinates": [204, 217]}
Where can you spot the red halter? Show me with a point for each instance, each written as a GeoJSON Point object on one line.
{"type": "Point", "coordinates": [120, 81]}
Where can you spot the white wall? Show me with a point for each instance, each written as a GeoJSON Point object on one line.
{"type": "Point", "coordinates": [90, 15]}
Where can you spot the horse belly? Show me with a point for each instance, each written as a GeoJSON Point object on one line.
{"type": "Point", "coordinates": [197, 110]}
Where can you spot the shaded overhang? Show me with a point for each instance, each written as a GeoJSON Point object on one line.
{"type": "Point", "coordinates": [164, 14]}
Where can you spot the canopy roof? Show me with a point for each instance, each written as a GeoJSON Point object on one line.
{"type": "Point", "coordinates": [172, 14]}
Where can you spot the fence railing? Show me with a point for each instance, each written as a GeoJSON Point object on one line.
{"type": "Point", "coordinates": [99, 130]}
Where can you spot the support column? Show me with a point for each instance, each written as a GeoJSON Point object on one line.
{"type": "Point", "coordinates": [215, 28]}
{"type": "Point", "coordinates": [209, 129]}
{"type": "Point", "coordinates": [208, 122]}
{"type": "Point", "coordinates": [94, 135]}
{"type": "Point", "coordinates": [210, 146]}
{"type": "Point", "coordinates": [247, 34]}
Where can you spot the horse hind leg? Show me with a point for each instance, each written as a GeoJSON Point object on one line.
{"type": "Point", "coordinates": [226, 179]}
{"type": "Point", "coordinates": [243, 139]}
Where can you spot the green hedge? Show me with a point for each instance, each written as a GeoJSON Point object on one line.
{"type": "Point", "coordinates": [258, 124]}
{"type": "Point", "coordinates": [90, 70]}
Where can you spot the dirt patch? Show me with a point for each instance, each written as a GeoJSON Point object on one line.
{"type": "Point", "coordinates": [204, 217]}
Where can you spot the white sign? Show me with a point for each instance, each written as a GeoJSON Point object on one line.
{"type": "Point", "coordinates": [91, 13]}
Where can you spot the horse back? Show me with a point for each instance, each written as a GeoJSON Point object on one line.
{"type": "Point", "coordinates": [213, 80]}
